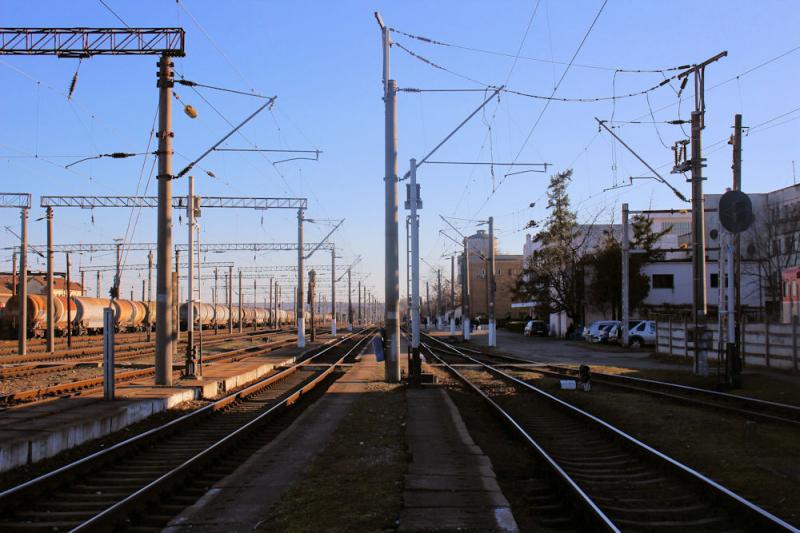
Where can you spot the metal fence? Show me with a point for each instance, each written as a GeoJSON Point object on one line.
{"type": "Point", "coordinates": [771, 345]}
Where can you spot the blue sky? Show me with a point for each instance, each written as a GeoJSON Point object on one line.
{"type": "Point", "coordinates": [323, 60]}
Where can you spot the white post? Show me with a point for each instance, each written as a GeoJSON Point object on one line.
{"type": "Point", "coordinates": [626, 247]}
{"type": "Point", "coordinates": [465, 307]}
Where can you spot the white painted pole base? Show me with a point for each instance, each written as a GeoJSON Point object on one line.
{"type": "Point", "coordinates": [453, 327]}
{"type": "Point", "coordinates": [333, 326]}
{"type": "Point", "coordinates": [492, 333]}
{"type": "Point", "coordinates": [467, 332]}
{"type": "Point", "coordinates": [301, 332]}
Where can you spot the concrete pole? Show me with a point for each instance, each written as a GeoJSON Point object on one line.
{"type": "Point", "coordinates": [214, 301]}
{"type": "Point", "coordinates": [416, 363]}
{"type": "Point", "coordinates": [391, 251]}
{"type": "Point", "coordinates": [452, 295]}
{"type": "Point", "coordinates": [349, 300]}
{"type": "Point", "coordinates": [427, 305]}
{"type": "Point", "coordinates": [189, 364]}
{"type": "Point", "coordinates": [97, 287]}
{"type": "Point", "coordinates": [492, 287]}
{"type": "Point", "coordinates": [83, 283]}
{"type": "Point", "coordinates": [255, 304]}
{"type": "Point", "coordinates": [240, 301]}
{"type": "Point", "coordinates": [626, 278]}
{"type": "Point", "coordinates": [51, 341]}
{"type": "Point", "coordinates": [230, 299]}
{"type": "Point", "coordinates": [69, 307]}
{"type": "Point", "coordinates": [118, 273]}
{"type": "Point", "coordinates": [165, 338]}
{"type": "Point", "coordinates": [465, 307]}
{"type": "Point", "coordinates": [359, 318]}
{"type": "Point", "coordinates": [333, 292]}
{"type": "Point", "coordinates": [23, 284]}
{"type": "Point", "coordinates": [300, 306]}
{"type": "Point", "coordinates": [149, 292]}
{"type": "Point", "coordinates": [199, 355]}
{"type": "Point", "coordinates": [698, 247]}
{"type": "Point", "coordinates": [408, 269]}
{"type": "Point", "coordinates": [438, 298]}
{"type": "Point", "coordinates": [14, 279]}
{"type": "Point", "coordinates": [734, 354]}
{"type": "Point", "coordinates": [271, 314]}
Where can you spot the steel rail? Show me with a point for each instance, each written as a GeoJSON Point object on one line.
{"type": "Point", "coordinates": [63, 389]}
{"type": "Point", "coordinates": [43, 481]}
{"type": "Point", "coordinates": [583, 499]}
{"type": "Point", "coordinates": [112, 514]}
{"type": "Point", "coordinates": [740, 502]}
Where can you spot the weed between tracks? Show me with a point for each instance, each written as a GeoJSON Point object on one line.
{"type": "Point", "coordinates": [356, 483]}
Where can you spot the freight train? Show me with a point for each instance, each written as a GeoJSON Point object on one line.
{"type": "Point", "coordinates": [86, 315]}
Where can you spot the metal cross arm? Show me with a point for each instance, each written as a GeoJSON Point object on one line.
{"type": "Point", "coordinates": [257, 247]}
{"type": "Point", "coordinates": [323, 241]}
{"type": "Point", "coordinates": [90, 248]}
{"type": "Point", "coordinates": [178, 202]}
{"type": "Point", "coordinates": [86, 42]}
{"type": "Point", "coordinates": [282, 268]}
{"type": "Point", "coordinates": [15, 200]}
{"type": "Point", "coordinates": [145, 266]}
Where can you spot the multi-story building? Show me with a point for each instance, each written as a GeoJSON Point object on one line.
{"type": "Point", "coordinates": [507, 270]}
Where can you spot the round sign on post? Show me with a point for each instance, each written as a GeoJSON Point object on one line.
{"type": "Point", "coordinates": [735, 211]}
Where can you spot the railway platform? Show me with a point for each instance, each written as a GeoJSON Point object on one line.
{"type": "Point", "coordinates": [32, 432]}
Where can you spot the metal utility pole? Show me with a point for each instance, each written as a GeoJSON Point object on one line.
{"type": "Point", "coordinates": [492, 288]}
{"type": "Point", "coordinates": [453, 295]}
{"type": "Point", "coordinates": [392, 254]}
{"type": "Point", "coordinates": [427, 305]}
{"type": "Point", "coordinates": [734, 357]}
{"type": "Point", "coordinates": [625, 277]}
{"type": "Point", "coordinates": [69, 307]}
{"type": "Point", "coordinates": [97, 287]}
{"type": "Point", "coordinates": [117, 272]}
{"type": "Point", "coordinates": [333, 291]}
{"type": "Point", "coordinates": [415, 372]}
{"type": "Point", "coordinates": [190, 360]}
{"type": "Point", "coordinates": [14, 280]}
{"type": "Point", "coordinates": [359, 319]}
{"type": "Point", "coordinates": [165, 340]}
{"type": "Point", "coordinates": [255, 304]}
{"type": "Point", "coordinates": [696, 165]}
{"type": "Point", "coordinates": [465, 295]}
{"type": "Point", "coordinates": [300, 305]}
{"type": "Point", "coordinates": [349, 300]}
{"type": "Point", "coordinates": [22, 346]}
{"type": "Point", "coordinates": [149, 291]}
{"type": "Point", "coordinates": [438, 298]}
{"type": "Point", "coordinates": [214, 300]}
{"type": "Point", "coordinates": [312, 287]}
{"type": "Point", "coordinates": [50, 299]}
{"type": "Point", "coordinates": [270, 308]}
{"type": "Point", "coordinates": [230, 299]}
{"type": "Point", "coordinates": [240, 301]}
{"type": "Point", "coordinates": [408, 268]}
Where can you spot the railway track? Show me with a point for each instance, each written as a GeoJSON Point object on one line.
{"type": "Point", "coordinates": [745, 406]}
{"type": "Point", "coordinates": [95, 348]}
{"type": "Point", "coordinates": [123, 353]}
{"type": "Point", "coordinates": [142, 482]}
{"type": "Point", "coordinates": [85, 385]}
{"type": "Point", "coordinates": [614, 480]}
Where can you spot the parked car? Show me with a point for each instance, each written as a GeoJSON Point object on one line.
{"type": "Point", "coordinates": [536, 327]}
{"type": "Point", "coordinates": [642, 334]}
{"type": "Point", "coordinates": [604, 333]}
{"type": "Point", "coordinates": [615, 335]}
{"type": "Point", "coordinates": [593, 330]}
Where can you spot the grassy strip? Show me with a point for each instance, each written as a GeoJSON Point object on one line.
{"type": "Point", "coordinates": [356, 483]}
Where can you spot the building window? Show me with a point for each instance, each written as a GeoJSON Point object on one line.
{"type": "Point", "coordinates": [663, 281]}
{"type": "Point", "coordinates": [714, 281]}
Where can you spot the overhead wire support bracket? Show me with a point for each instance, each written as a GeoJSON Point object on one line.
{"type": "Point", "coordinates": [178, 202]}
{"type": "Point", "coordinates": [191, 165]}
{"type": "Point", "coordinates": [324, 240]}
{"type": "Point", "coordinates": [449, 135]}
{"type": "Point", "coordinates": [659, 177]}
{"type": "Point", "coordinates": [15, 200]}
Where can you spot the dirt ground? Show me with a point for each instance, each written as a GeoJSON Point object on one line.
{"type": "Point", "coordinates": [760, 461]}
{"type": "Point", "coordinates": [356, 483]}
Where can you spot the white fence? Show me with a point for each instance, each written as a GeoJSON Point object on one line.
{"type": "Point", "coordinates": [763, 344]}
